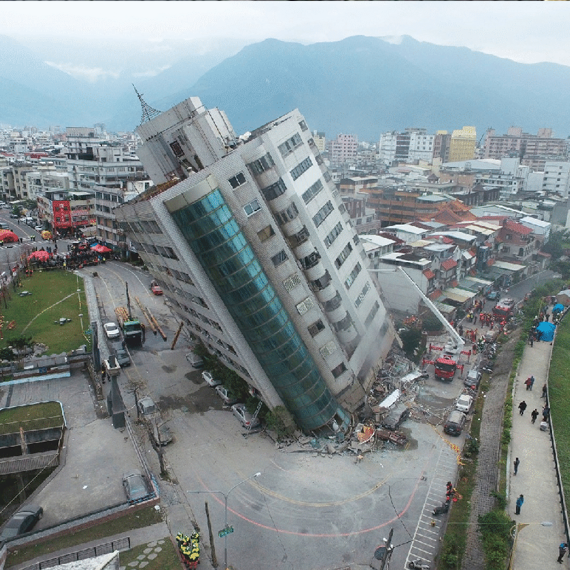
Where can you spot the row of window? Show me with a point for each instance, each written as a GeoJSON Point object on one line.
{"type": "Point", "coordinates": [163, 251]}
{"type": "Point", "coordinates": [274, 190]}
{"type": "Point", "coordinates": [322, 214]}
{"type": "Point", "coordinates": [360, 297]}
{"type": "Point", "coordinates": [141, 227]}
{"type": "Point", "coordinates": [312, 191]}
{"type": "Point", "coordinates": [336, 231]}
{"type": "Point", "coordinates": [290, 144]}
{"type": "Point", "coordinates": [353, 275]}
{"type": "Point", "coordinates": [343, 255]}
{"type": "Point", "coordinates": [261, 164]}
{"type": "Point", "coordinates": [302, 167]}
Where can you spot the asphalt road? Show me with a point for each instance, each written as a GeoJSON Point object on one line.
{"type": "Point", "coordinates": [305, 510]}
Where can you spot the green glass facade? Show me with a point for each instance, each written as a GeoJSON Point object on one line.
{"type": "Point", "coordinates": [223, 251]}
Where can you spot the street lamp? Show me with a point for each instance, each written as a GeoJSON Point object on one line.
{"type": "Point", "coordinates": [226, 530]}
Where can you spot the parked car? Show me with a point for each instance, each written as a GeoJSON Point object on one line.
{"type": "Point", "coordinates": [15, 216]}
{"type": "Point", "coordinates": [210, 380]}
{"type": "Point", "coordinates": [454, 423]}
{"type": "Point", "coordinates": [227, 397]}
{"type": "Point", "coordinates": [155, 288]}
{"type": "Point", "coordinates": [151, 414]}
{"type": "Point", "coordinates": [493, 295]}
{"type": "Point", "coordinates": [245, 418]}
{"type": "Point", "coordinates": [112, 330]}
{"type": "Point", "coordinates": [39, 228]}
{"type": "Point", "coordinates": [135, 486]}
{"type": "Point", "coordinates": [23, 521]}
{"type": "Point", "coordinates": [464, 403]}
{"type": "Point", "coordinates": [472, 379]}
{"type": "Point", "coordinates": [122, 357]}
{"type": "Point", "coordinates": [194, 360]}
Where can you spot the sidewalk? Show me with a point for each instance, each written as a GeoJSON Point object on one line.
{"type": "Point", "coordinates": [138, 536]}
{"type": "Point", "coordinates": [536, 545]}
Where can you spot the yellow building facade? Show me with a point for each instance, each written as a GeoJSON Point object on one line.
{"type": "Point", "coordinates": [462, 144]}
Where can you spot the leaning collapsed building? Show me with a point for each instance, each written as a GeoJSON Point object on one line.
{"type": "Point", "coordinates": [253, 246]}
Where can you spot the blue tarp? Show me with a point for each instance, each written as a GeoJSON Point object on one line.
{"type": "Point", "coordinates": [558, 308]}
{"type": "Point", "coordinates": [547, 329]}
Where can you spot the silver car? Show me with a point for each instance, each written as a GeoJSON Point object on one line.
{"type": "Point", "coordinates": [210, 380]}
{"type": "Point", "coordinates": [245, 418]}
{"type": "Point", "coordinates": [135, 486]}
{"type": "Point", "coordinates": [227, 397]}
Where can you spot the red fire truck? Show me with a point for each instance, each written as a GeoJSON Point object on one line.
{"type": "Point", "coordinates": [504, 308]}
{"type": "Point", "coordinates": [445, 367]}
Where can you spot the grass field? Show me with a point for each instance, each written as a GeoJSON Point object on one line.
{"type": "Point", "coordinates": [559, 393]}
{"type": "Point", "coordinates": [37, 416]}
{"type": "Point", "coordinates": [167, 559]}
{"type": "Point", "coordinates": [53, 295]}
{"type": "Point", "coordinates": [138, 519]}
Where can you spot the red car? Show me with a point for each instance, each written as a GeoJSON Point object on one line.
{"type": "Point", "coordinates": [155, 288]}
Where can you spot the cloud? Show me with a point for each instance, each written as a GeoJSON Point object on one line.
{"type": "Point", "coordinates": [91, 74]}
{"type": "Point", "coordinates": [151, 72]}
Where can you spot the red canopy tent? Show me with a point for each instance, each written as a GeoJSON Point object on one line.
{"type": "Point", "coordinates": [100, 248]}
{"type": "Point", "coordinates": [39, 255]}
{"type": "Point", "coordinates": [8, 236]}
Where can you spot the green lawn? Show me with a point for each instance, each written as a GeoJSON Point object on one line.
{"type": "Point", "coordinates": [137, 519]}
{"type": "Point", "coordinates": [167, 559]}
{"type": "Point", "coordinates": [53, 295]}
{"type": "Point", "coordinates": [559, 392]}
{"type": "Point", "coordinates": [37, 416]}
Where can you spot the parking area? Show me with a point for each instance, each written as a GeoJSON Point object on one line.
{"type": "Point", "coordinates": [96, 455]}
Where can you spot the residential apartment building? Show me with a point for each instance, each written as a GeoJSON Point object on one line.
{"type": "Point", "coordinates": [320, 141]}
{"type": "Point", "coordinates": [254, 248]}
{"type": "Point", "coordinates": [343, 149]}
{"type": "Point", "coordinates": [462, 144]}
{"type": "Point", "coordinates": [441, 145]}
{"type": "Point", "coordinates": [556, 179]}
{"type": "Point", "coordinates": [533, 150]}
{"type": "Point", "coordinates": [421, 146]}
{"type": "Point", "coordinates": [394, 147]}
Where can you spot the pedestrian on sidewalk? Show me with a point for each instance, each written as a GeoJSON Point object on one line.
{"type": "Point", "coordinates": [531, 381]}
{"type": "Point", "coordinates": [534, 415]}
{"type": "Point", "coordinates": [517, 463]}
{"type": "Point", "coordinates": [562, 549]}
{"type": "Point", "coordinates": [519, 504]}
{"type": "Point", "coordinates": [545, 413]}
{"type": "Point", "coordinates": [528, 383]}
{"type": "Point", "coordinates": [522, 407]}
{"type": "Point", "coordinates": [544, 390]}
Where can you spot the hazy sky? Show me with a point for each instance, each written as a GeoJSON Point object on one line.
{"type": "Point", "coordinates": [528, 32]}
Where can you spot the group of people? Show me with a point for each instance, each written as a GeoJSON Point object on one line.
{"type": "Point", "coordinates": [189, 547]}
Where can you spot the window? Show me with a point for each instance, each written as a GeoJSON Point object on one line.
{"type": "Point", "coordinates": [305, 305]}
{"type": "Point", "coordinates": [353, 275]}
{"type": "Point", "coordinates": [280, 258]}
{"type": "Point", "coordinates": [176, 149]}
{"type": "Point", "coordinates": [297, 239]}
{"type": "Point", "coordinates": [316, 328]}
{"type": "Point", "coordinates": [323, 213]}
{"type": "Point", "coordinates": [303, 125]}
{"type": "Point", "coordinates": [302, 167]}
{"type": "Point", "coordinates": [274, 190]}
{"type": "Point", "coordinates": [372, 314]}
{"type": "Point", "coordinates": [252, 207]}
{"type": "Point", "coordinates": [237, 180]}
{"type": "Point", "coordinates": [312, 191]}
{"type": "Point", "coordinates": [286, 215]}
{"type": "Point", "coordinates": [360, 297]}
{"type": "Point", "coordinates": [290, 144]}
{"type": "Point", "coordinates": [356, 239]}
{"type": "Point", "coordinates": [262, 164]}
{"type": "Point", "coordinates": [265, 233]}
{"type": "Point", "coordinates": [343, 255]}
{"type": "Point", "coordinates": [333, 235]}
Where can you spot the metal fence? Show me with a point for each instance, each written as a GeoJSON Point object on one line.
{"type": "Point", "coordinates": [100, 549]}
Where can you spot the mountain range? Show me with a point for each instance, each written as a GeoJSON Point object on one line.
{"type": "Point", "coordinates": [360, 85]}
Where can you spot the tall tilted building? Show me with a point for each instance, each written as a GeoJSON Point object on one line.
{"type": "Point", "coordinates": [252, 244]}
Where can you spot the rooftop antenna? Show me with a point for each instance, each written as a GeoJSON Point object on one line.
{"type": "Point", "coordinates": [148, 112]}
